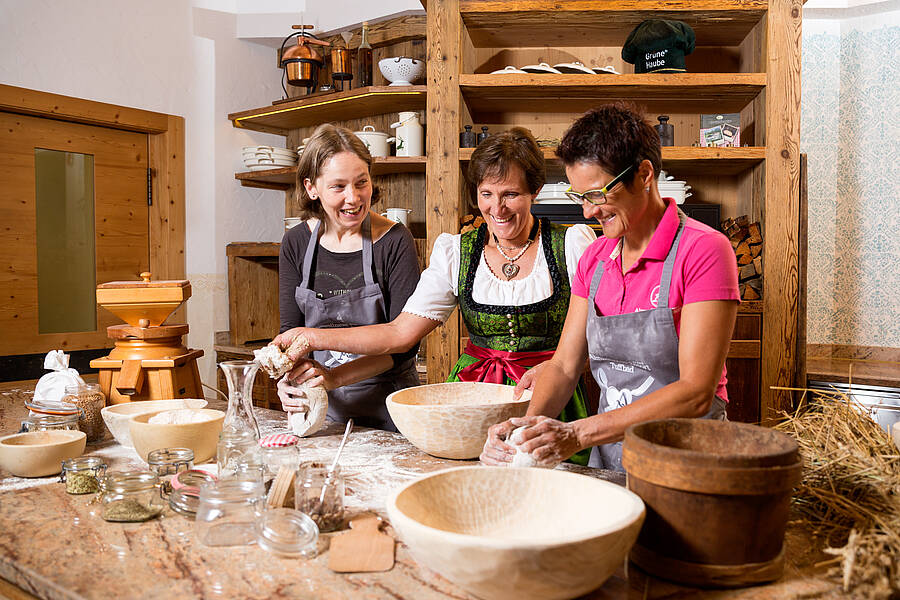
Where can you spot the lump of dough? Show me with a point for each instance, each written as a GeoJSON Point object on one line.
{"type": "Point", "coordinates": [275, 361]}
{"type": "Point", "coordinates": [316, 405]}
{"type": "Point", "coordinates": [522, 458]}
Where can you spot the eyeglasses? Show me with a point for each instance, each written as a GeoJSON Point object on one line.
{"type": "Point", "coordinates": [597, 197]}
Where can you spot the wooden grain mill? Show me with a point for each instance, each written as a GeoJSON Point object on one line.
{"type": "Point", "coordinates": [149, 361]}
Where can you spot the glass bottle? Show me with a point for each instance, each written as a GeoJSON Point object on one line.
{"type": "Point", "coordinates": [364, 58]}
{"type": "Point", "coordinates": [239, 417]}
{"type": "Point", "coordinates": [665, 130]}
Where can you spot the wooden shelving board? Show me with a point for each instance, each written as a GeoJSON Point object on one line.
{"type": "Point", "coordinates": [537, 93]}
{"type": "Point", "coordinates": [687, 159]}
{"type": "Point", "coordinates": [282, 179]}
{"type": "Point", "coordinates": [535, 23]}
{"type": "Point", "coordinates": [335, 106]}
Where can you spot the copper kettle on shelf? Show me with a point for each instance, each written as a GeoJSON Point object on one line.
{"type": "Point", "coordinates": [301, 63]}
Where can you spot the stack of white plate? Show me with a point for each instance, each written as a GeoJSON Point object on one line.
{"type": "Point", "coordinates": [302, 146]}
{"type": "Point", "coordinates": [553, 193]}
{"type": "Point", "coordinates": [260, 158]}
{"type": "Point", "coordinates": [671, 188]}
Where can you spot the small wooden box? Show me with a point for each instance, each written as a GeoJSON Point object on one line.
{"type": "Point", "coordinates": [253, 291]}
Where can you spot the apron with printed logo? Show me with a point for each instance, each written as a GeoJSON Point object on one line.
{"type": "Point", "coordinates": [634, 354]}
{"type": "Point", "coordinates": [363, 401]}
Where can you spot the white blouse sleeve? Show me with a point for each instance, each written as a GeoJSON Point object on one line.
{"type": "Point", "coordinates": [436, 294]}
{"type": "Point", "coordinates": [578, 238]}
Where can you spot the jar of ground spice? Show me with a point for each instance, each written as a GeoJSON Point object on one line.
{"type": "Point", "coordinates": [131, 497]}
{"type": "Point", "coordinates": [82, 475]}
{"type": "Point", "coordinates": [89, 398]}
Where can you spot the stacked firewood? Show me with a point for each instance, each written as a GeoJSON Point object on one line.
{"type": "Point", "coordinates": [470, 222]}
{"type": "Point", "coordinates": [746, 239]}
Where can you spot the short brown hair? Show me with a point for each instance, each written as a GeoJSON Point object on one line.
{"type": "Point", "coordinates": [494, 156]}
{"type": "Point", "coordinates": [326, 141]}
{"type": "Point", "coordinates": [613, 136]}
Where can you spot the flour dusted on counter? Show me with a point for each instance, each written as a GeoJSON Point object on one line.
{"type": "Point", "coordinates": [275, 361]}
{"type": "Point", "coordinates": [179, 416]}
{"type": "Point", "coordinates": [522, 458]}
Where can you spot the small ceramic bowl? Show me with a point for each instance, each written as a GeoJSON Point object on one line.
{"type": "Point", "coordinates": [40, 453]}
{"type": "Point", "coordinates": [200, 437]}
{"type": "Point", "coordinates": [507, 69]}
{"type": "Point", "coordinates": [540, 68]}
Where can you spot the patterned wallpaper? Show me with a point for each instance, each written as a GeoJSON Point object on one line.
{"type": "Point", "coordinates": [849, 129]}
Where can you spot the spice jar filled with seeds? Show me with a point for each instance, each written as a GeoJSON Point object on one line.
{"type": "Point", "coordinates": [82, 475]}
{"type": "Point", "coordinates": [89, 398]}
{"type": "Point", "coordinates": [131, 497]}
{"type": "Point", "coordinates": [325, 509]}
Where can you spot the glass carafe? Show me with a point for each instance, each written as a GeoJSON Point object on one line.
{"type": "Point", "coordinates": [240, 375]}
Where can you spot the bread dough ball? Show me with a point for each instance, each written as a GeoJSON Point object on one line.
{"type": "Point", "coordinates": [312, 419]}
{"type": "Point", "coordinates": [522, 458]}
{"type": "Point", "coordinates": [275, 361]}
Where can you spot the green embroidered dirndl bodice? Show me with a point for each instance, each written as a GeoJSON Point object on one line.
{"type": "Point", "coordinates": [526, 328]}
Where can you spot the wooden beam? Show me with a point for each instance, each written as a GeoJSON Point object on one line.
{"type": "Point", "coordinates": [54, 106]}
{"type": "Point", "coordinates": [442, 180]}
{"type": "Point", "coordinates": [402, 27]}
{"type": "Point", "coordinates": [782, 186]}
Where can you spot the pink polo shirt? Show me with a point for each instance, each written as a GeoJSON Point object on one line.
{"type": "Point", "coordinates": [705, 269]}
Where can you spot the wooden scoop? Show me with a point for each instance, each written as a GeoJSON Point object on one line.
{"type": "Point", "coordinates": [362, 549]}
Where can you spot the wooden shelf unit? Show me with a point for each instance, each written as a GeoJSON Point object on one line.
{"type": "Point", "coordinates": [312, 110]}
{"type": "Point", "coordinates": [686, 159]}
{"type": "Point", "coordinates": [283, 179]}
{"type": "Point", "coordinates": [747, 61]}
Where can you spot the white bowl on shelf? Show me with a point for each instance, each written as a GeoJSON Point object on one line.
{"type": "Point", "coordinates": [507, 69]}
{"type": "Point", "coordinates": [401, 70]}
{"type": "Point", "coordinates": [573, 68]}
{"type": "Point", "coordinates": [540, 68]}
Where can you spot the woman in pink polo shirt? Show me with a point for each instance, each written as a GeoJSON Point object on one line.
{"type": "Point", "coordinates": [653, 303]}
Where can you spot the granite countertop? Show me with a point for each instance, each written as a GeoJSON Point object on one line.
{"type": "Point", "coordinates": [53, 545]}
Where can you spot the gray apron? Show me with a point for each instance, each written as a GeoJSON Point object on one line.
{"type": "Point", "coordinates": [363, 401]}
{"type": "Point", "coordinates": [634, 354]}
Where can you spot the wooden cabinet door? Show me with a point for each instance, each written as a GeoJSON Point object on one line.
{"type": "Point", "coordinates": [72, 195]}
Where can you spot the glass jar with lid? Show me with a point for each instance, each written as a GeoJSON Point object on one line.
{"type": "Point", "coordinates": [185, 495]}
{"type": "Point", "coordinates": [278, 450]}
{"type": "Point", "coordinates": [287, 533]}
{"type": "Point", "coordinates": [131, 496]}
{"type": "Point", "coordinates": [89, 398]}
{"type": "Point", "coordinates": [227, 512]}
{"type": "Point", "coordinates": [236, 449]}
{"type": "Point", "coordinates": [39, 422]}
{"type": "Point", "coordinates": [326, 509]}
{"type": "Point", "coordinates": [167, 462]}
{"type": "Point", "coordinates": [82, 475]}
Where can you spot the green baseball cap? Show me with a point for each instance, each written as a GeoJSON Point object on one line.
{"type": "Point", "coordinates": [659, 46]}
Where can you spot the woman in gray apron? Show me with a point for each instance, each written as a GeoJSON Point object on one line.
{"type": "Point", "coordinates": [653, 304]}
{"type": "Point", "coordinates": [355, 282]}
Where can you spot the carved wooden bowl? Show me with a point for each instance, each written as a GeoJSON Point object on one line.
{"type": "Point", "coordinates": [200, 437]}
{"type": "Point", "coordinates": [450, 420]}
{"type": "Point", "coordinates": [517, 533]}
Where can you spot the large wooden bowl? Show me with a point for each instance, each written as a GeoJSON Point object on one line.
{"type": "Point", "coordinates": [517, 533]}
{"type": "Point", "coordinates": [39, 453]}
{"type": "Point", "coordinates": [118, 416]}
{"type": "Point", "coordinates": [450, 420]}
{"type": "Point", "coordinates": [200, 437]}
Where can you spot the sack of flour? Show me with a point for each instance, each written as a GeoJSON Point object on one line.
{"type": "Point", "coordinates": [52, 387]}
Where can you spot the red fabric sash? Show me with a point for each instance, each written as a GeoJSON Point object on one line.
{"type": "Point", "coordinates": [494, 365]}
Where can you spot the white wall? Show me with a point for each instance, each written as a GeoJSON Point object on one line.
{"type": "Point", "coordinates": [176, 57]}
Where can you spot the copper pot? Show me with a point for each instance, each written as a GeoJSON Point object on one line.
{"type": "Point", "coordinates": [341, 69]}
{"type": "Point", "coordinates": [301, 62]}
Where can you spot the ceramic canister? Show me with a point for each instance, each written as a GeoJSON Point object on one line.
{"type": "Point", "coordinates": [410, 135]}
{"type": "Point", "coordinates": [375, 141]}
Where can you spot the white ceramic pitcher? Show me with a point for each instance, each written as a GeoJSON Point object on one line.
{"type": "Point", "coordinates": [410, 135]}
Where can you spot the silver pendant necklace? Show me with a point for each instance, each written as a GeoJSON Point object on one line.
{"type": "Point", "coordinates": [509, 268]}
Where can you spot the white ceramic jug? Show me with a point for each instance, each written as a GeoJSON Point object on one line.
{"type": "Point", "coordinates": [410, 136]}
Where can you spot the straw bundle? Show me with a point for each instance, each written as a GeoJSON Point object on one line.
{"type": "Point", "coordinates": [850, 491]}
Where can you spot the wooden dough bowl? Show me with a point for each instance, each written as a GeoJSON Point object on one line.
{"type": "Point", "coordinates": [39, 453]}
{"type": "Point", "coordinates": [450, 420]}
{"type": "Point", "coordinates": [517, 533]}
{"type": "Point", "coordinates": [200, 437]}
{"type": "Point", "coordinates": [118, 416]}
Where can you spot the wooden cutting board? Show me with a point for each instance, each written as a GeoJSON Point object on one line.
{"type": "Point", "coordinates": [362, 549]}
